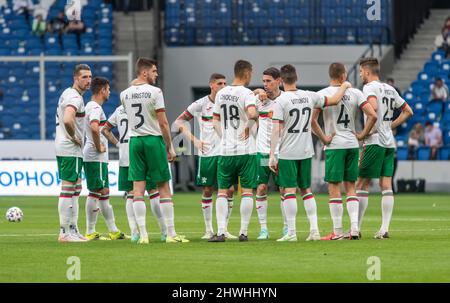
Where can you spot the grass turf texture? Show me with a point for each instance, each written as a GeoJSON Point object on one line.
{"type": "Point", "coordinates": [416, 252]}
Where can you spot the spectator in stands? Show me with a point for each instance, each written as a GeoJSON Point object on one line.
{"type": "Point", "coordinates": [439, 91]}
{"type": "Point", "coordinates": [76, 27]}
{"type": "Point", "coordinates": [416, 139]}
{"type": "Point", "coordinates": [433, 138]}
{"type": "Point", "coordinates": [391, 82]}
{"type": "Point", "coordinates": [1, 94]}
{"type": "Point", "coordinates": [23, 7]}
{"type": "Point", "coordinates": [442, 41]}
{"type": "Point", "coordinates": [39, 26]}
{"type": "Point", "coordinates": [58, 24]}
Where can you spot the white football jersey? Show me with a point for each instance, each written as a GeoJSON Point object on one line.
{"type": "Point", "coordinates": [388, 100]}
{"type": "Point", "coordinates": [94, 112]}
{"type": "Point", "coordinates": [294, 109]}
{"type": "Point", "coordinates": [203, 109]}
{"type": "Point", "coordinates": [141, 103]}
{"type": "Point", "coordinates": [119, 119]}
{"type": "Point", "coordinates": [231, 104]}
{"type": "Point", "coordinates": [341, 119]}
{"type": "Point", "coordinates": [265, 125]}
{"type": "Point", "coordinates": [64, 147]}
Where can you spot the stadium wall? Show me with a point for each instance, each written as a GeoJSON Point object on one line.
{"type": "Point", "coordinates": [185, 68]}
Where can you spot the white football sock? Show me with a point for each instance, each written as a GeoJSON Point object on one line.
{"type": "Point", "coordinates": [130, 215]}
{"type": "Point", "coordinates": [290, 209]}
{"type": "Point", "coordinates": [64, 209]}
{"type": "Point", "coordinates": [207, 209]}
{"type": "Point", "coordinates": [108, 213]}
{"type": "Point", "coordinates": [221, 214]}
{"type": "Point", "coordinates": [156, 210]}
{"type": "Point", "coordinates": [75, 207]}
{"type": "Point", "coordinates": [352, 209]}
{"type": "Point", "coordinates": [229, 211]}
{"type": "Point", "coordinates": [336, 211]}
{"type": "Point", "coordinates": [166, 206]}
{"type": "Point", "coordinates": [283, 213]}
{"type": "Point", "coordinates": [91, 212]}
{"type": "Point", "coordinates": [363, 197]}
{"type": "Point", "coordinates": [261, 209]}
{"type": "Point", "coordinates": [140, 212]}
{"type": "Point", "coordinates": [311, 211]}
{"type": "Point", "coordinates": [387, 206]}
{"type": "Point", "coordinates": [246, 212]}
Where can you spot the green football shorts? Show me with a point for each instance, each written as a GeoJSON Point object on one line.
{"type": "Point", "coordinates": [264, 171]}
{"type": "Point", "coordinates": [207, 171]}
{"type": "Point", "coordinates": [230, 168]}
{"type": "Point", "coordinates": [341, 165]}
{"type": "Point", "coordinates": [294, 173]}
{"type": "Point", "coordinates": [96, 175]}
{"type": "Point", "coordinates": [69, 168]}
{"type": "Point", "coordinates": [148, 159]}
{"type": "Point", "coordinates": [376, 162]}
{"type": "Point", "coordinates": [127, 185]}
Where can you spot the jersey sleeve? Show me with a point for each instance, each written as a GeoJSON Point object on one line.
{"type": "Point", "coordinates": [75, 102]}
{"type": "Point", "coordinates": [193, 109]}
{"type": "Point", "coordinates": [400, 103]}
{"type": "Point", "coordinates": [369, 91]}
{"type": "Point", "coordinates": [112, 121]}
{"type": "Point", "coordinates": [95, 114]}
{"type": "Point", "coordinates": [278, 115]}
{"type": "Point", "coordinates": [250, 100]}
{"type": "Point", "coordinates": [360, 99]}
{"type": "Point", "coordinates": [159, 101]}
{"type": "Point", "coordinates": [318, 100]}
{"type": "Point", "coordinates": [216, 111]}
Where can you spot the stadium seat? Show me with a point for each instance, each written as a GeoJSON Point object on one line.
{"type": "Point", "coordinates": [423, 153]}
{"type": "Point", "coordinates": [444, 153]}
{"type": "Point", "coordinates": [402, 153]}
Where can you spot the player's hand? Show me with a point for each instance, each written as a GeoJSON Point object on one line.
{"type": "Point", "coordinates": [245, 134]}
{"type": "Point", "coordinates": [346, 85]}
{"type": "Point", "coordinates": [263, 96]}
{"type": "Point", "coordinates": [273, 164]}
{"type": "Point", "coordinates": [328, 139]}
{"type": "Point", "coordinates": [171, 155]}
{"type": "Point", "coordinates": [201, 145]}
{"type": "Point", "coordinates": [76, 140]}
{"type": "Point", "coordinates": [102, 148]}
{"type": "Point", "coordinates": [360, 136]}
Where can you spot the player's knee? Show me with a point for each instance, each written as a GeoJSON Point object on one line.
{"type": "Point", "coordinates": [261, 190]}
{"type": "Point", "coordinates": [207, 191]}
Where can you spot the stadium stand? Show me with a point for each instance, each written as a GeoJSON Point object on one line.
{"type": "Point", "coordinates": [273, 22]}
{"type": "Point", "coordinates": [19, 107]}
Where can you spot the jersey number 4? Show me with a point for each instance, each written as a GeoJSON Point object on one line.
{"type": "Point", "coordinates": [343, 118]}
{"type": "Point", "coordinates": [296, 112]}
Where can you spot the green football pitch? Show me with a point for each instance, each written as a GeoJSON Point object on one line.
{"type": "Point", "coordinates": [418, 250]}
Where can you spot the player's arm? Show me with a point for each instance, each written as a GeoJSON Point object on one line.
{"type": "Point", "coordinates": [317, 130]}
{"type": "Point", "coordinates": [106, 131]}
{"type": "Point", "coordinates": [69, 123]}
{"type": "Point", "coordinates": [252, 115]}
{"type": "Point", "coordinates": [406, 113]}
{"type": "Point", "coordinates": [277, 129]}
{"type": "Point", "coordinates": [337, 97]}
{"type": "Point", "coordinates": [182, 125]}
{"type": "Point", "coordinates": [165, 131]}
{"type": "Point", "coordinates": [370, 122]}
{"type": "Point", "coordinates": [95, 129]}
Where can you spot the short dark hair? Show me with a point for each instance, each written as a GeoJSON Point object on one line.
{"type": "Point", "coordinates": [79, 67]}
{"type": "Point", "coordinates": [390, 80]}
{"type": "Point", "coordinates": [144, 63]}
{"type": "Point", "coordinates": [273, 72]}
{"type": "Point", "coordinates": [216, 76]}
{"type": "Point", "coordinates": [336, 70]}
{"type": "Point", "coordinates": [428, 123]}
{"type": "Point", "coordinates": [288, 74]}
{"type": "Point", "coordinates": [370, 63]}
{"type": "Point", "coordinates": [438, 79]}
{"type": "Point", "coordinates": [98, 83]}
{"type": "Point", "coordinates": [241, 67]}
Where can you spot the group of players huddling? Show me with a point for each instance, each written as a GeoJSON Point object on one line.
{"type": "Point", "coordinates": [245, 137]}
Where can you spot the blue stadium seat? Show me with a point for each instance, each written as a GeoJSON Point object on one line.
{"type": "Point", "coordinates": [402, 153]}
{"type": "Point", "coordinates": [444, 153]}
{"type": "Point", "coordinates": [423, 153]}
{"type": "Point", "coordinates": [434, 107]}
{"type": "Point", "coordinates": [446, 136]}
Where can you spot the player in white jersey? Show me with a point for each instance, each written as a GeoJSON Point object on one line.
{"type": "Point", "coordinates": [68, 147]}
{"type": "Point", "coordinates": [150, 147]}
{"type": "Point", "coordinates": [119, 119]}
{"type": "Point", "coordinates": [342, 148]}
{"type": "Point", "coordinates": [208, 147]}
{"type": "Point", "coordinates": [377, 159]}
{"type": "Point", "coordinates": [292, 131]}
{"type": "Point", "coordinates": [235, 118]}
{"type": "Point", "coordinates": [266, 100]}
{"type": "Point", "coordinates": [95, 163]}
